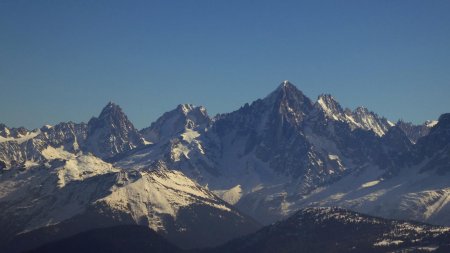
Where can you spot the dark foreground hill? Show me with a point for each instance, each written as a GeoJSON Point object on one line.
{"type": "Point", "coordinates": [310, 230]}
{"type": "Point", "coordinates": [119, 239]}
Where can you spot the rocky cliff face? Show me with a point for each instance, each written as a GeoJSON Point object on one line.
{"type": "Point", "coordinates": [111, 133]}
{"type": "Point", "coordinates": [415, 132]}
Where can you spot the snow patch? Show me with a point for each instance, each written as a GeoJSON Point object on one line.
{"type": "Point", "coordinates": [231, 196]}
{"type": "Point", "coordinates": [333, 157]}
{"type": "Point", "coordinates": [82, 167]}
{"type": "Point", "coordinates": [387, 242]}
{"type": "Point", "coordinates": [370, 184]}
{"type": "Point", "coordinates": [23, 138]}
{"type": "Point", "coordinates": [51, 153]}
{"type": "Point", "coordinates": [180, 150]}
{"type": "Point", "coordinates": [189, 135]}
{"type": "Point", "coordinates": [431, 123]}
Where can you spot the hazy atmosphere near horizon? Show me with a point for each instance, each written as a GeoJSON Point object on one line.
{"type": "Point", "coordinates": [64, 60]}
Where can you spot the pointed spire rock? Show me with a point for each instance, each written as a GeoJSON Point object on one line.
{"type": "Point", "coordinates": [288, 100]}
{"type": "Point", "coordinates": [111, 109]}
{"type": "Point", "coordinates": [330, 107]}
{"type": "Point", "coordinates": [111, 133]}
{"type": "Point", "coordinates": [286, 89]}
{"type": "Point", "coordinates": [328, 101]}
{"type": "Point", "coordinates": [287, 86]}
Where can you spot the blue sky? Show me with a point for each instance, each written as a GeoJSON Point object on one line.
{"type": "Point", "coordinates": [64, 60]}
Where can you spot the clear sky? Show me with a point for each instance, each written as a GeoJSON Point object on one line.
{"type": "Point", "coordinates": [64, 60]}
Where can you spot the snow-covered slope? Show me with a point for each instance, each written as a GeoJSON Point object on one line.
{"type": "Point", "coordinates": [50, 193]}
{"type": "Point", "coordinates": [82, 186]}
{"type": "Point", "coordinates": [409, 195]}
{"type": "Point", "coordinates": [19, 138]}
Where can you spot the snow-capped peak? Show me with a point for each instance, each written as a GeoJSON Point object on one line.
{"type": "Point", "coordinates": [185, 108]}
{"type": "Point", "coordinates": [190, 109]}
{"type": "Point", "coordinates": [430, 123]}
{"type": "Point", "coordinates": [177, 121]}
{"type": "Point", "coordinates": [287, 86]}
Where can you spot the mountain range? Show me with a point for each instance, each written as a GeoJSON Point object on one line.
{"type": "Point", "coordinates": [200, 181]}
